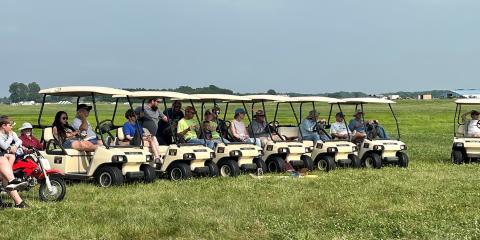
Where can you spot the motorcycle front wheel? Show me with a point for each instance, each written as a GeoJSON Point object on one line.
{"type": "Point", "coordinates": [57, 192]}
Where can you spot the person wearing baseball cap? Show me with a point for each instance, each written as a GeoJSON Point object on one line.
{"type": "Point", "coordinates": [339, 130]}
{"type": "Point", "coordinates": [81, 124]}
{"type": "Point", "coordinates": [28, 140]}
{"type": "Point", "coordinates": [472, 129]}
{"type": "Point", "coordinates": [309, 128]}
{"type": "Point", "coordinates": [357, 127]}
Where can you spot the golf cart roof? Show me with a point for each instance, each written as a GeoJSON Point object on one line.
{"type": "Point", "coordinates": [223, 97]}
{"type": "Point", "coordinates": [318, 99]}
{"type": "Point", "coordinates": [158, 94]}
{"type": "Point", "coordinates": [82, 91]}
{"type": "Point", "coordinates": [468, 101]}
{"type": "Point", "coordinates": [367, 100]}
{"type": "Point", "coordinates": [266, 97]}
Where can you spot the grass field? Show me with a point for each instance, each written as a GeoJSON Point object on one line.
{"type": "Point", "coordinates": [430, 199]}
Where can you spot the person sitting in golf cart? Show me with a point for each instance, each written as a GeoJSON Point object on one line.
{"type": "Point", "coordinates": [310, 128]}
{"type": "Point", "coordinates": [131, 136]}
{"type": "Point", "coordinates": [210, 127]}
{"type": "Point", "coordinates": [339, 130]}
{"type": "Point", "coordinates": [375, 130]}
{"type": "Point", "coordinates": [149, 115]}
{"type": "Point", "coordinates": [472, 129]}
{"type": "Point", "coordinates": [221, 124]}
{"type": "Point", "coordinates": [81, 124]}
{"type": "Point", "coordinates": [187, 129]}
{"type": "Point", "coordinates": [239, 131]}
{"type": "Point", "coordinates": [259, 128]}
{"type": "Point", "coordinates": [174, 114]}
{"type": "Point", "coordinates": [68, 136]}
{"type": "Point", "coordinates": [357, 127]}
{"type": "Point", "coordinates": [28, 140]}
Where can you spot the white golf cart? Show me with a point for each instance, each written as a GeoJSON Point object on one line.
{"type": "Point", "coordinates": [233, 157]}
{"type": "Point", "coordinates": [466, 147]}
{"type": "Point", "coordinates": [108, 165]}
{"type": "Point", "coordinates": [288, 148]}
{"type": "Point", "coordinates": [328, 154]}
{"type": "Point", "coordinates": [180, 160]}
{"type": "Point", "coordinates": [376, 151]}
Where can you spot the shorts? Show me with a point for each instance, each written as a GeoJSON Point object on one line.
{"type": "Point", "coordinates": [68, 143]}
{"type": "Point", "coordinates": [93, 141]}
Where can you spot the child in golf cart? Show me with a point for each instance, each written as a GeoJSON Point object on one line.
{"type": "Point", "coordinates": [132, 136]}
{"type": "Point", "coordinates": [472, 128]}
{"type": "Point", "coordinates": [211, 129]}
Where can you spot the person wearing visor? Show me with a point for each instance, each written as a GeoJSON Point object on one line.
{"type": "Point", "coordinates": [28, 140]}
{"type": "Point", "coordinates": [472, 129]}
{"type": "Point", "coordinates": [309, 128]}
{"type": "Point", "coordinates": [339, 130]}
{"type": "Point", "coordinates": [81, 124]}
{"type": "Point", "coordinates": [239, 131]}
{"type": "Point", "coordinates": [357, 127]}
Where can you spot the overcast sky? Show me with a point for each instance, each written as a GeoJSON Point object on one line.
{"type": "Point", "coordinates": [245, 45]}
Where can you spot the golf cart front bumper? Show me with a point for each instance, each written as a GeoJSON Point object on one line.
{"type": "Point", "coordinates": [248, 167]}
{"type": "Point", "coordinates": [134, 175]}
{"type": "Point", "coordinates": [201, 170]}
{"type": "Point", "coordinates": [390, 159]}
{"type": "Point", "coordinates": [344, 161]}
{"type": "Point", "coordinates": [296, 163]}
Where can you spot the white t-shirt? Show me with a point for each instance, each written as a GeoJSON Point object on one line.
{"type": "Point", "coordinates": [339, 128]}
{"type": "Point", "coordinates": [472, 128]}
{"type": "Point", "coordinates": [77, 122]}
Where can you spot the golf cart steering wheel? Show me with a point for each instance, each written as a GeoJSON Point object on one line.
{"type": "Point", "coordinates": [478, 124]}
{"type": "Point", "coordinates": [104, 126]}
{"type": "Point", "coordinates": [273, 125]}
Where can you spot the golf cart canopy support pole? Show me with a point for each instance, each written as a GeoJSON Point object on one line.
{"type": "Point", "coordinates": [41, 111]}
{"type": "Point", "coordinates": [455, 121]}
{"type": "Point", "coordinates": [96, 119]}
{"type": "Point", "coordinates": [218, 122]}
{"type": "Point", "coordinates": [396, 120]}
{"type": "Point", "coordinates": [250, 122]}
{"type": "Point", "coordinates": [266, 120]}
{"type": "Point", "coordinates": [169, 123]}
{"type": "Point", "coordinates": [198, 120]}
{"type": "Point", "coordinates": [344, 120]}
{"type": "Point", "coordinates": [296, 117]}
{"type": "Point", "coordinates": [115, 110]}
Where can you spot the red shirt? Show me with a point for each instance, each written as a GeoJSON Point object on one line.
{"type": "Point", "coordinates": [31, 142]}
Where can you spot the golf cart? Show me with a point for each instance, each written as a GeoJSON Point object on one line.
{"type": "Point", "coordinates": [232, 157]}
{"type": "Point", "coordinates": [180, 160]}
{"type": "Point", "coordinates": [288, 148]}
{"type": "Point", "coordinates": [327, 155]}
{"type": "Point", "coordinates": [375, 151]}
{"type": "Point", "coordinates": [465, 148]}
{"type": "Point", "coordinates": [108, 165]}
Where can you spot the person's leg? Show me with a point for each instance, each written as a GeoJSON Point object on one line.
{"type": "Point", "coordinates": [152, 141]}
{"type": "Point", "coordinates": [196, 141]}
{"type": "Point", "coordinates": [10, 158]}
{"type": "Point", "coordinates": [89, 146]}
{"type": "Point", "coordinates": [381, 132]}
{"type": "Point", "coordinates": [257, 141]}
{"type": "Point", "coordinates": [7, 176]}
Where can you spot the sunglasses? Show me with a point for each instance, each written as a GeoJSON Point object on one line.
{"type": "Point", "coordinates": [64, 118]}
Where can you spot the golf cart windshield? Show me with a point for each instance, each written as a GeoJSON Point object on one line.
{"type": "Point", "coordinates": [466, 120]}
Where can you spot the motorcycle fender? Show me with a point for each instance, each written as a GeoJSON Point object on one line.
{"type": "Point", "coordinates": [49, 173]}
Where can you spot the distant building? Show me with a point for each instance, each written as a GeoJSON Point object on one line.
{"type": "Point", "coordinates": [464, 93]}
{"type": "Point", "coordinates": [393, 97]}
{"type": "Point", "coordinates": [424, 97]}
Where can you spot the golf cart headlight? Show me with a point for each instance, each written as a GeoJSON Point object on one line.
{"type": "Point", "coordinates": [212, 155]}
{"type": "Point", "coordinates": [189, 156]}
{"type": "Point", "coordinates": [458, 145]}
{"type": "Point", "coordinates": [308, 149]}
{"type": "Point", "coordinates": [283, 150]}
{"type": "Point", "coordinates": [260, 152]}
{"type": "Point", "coordinates": [149, 158]}
{"type": "Point", "coordinates": [354, 149]}
{"type": "Point", "coordinates": [403, 147]}
{"type": "Point", "coordinates": [119, 158]}
{"type": "Point", "coordinates": [332, 149]}
{"type": "Point", "coordinates": [378, 147]}
{"type": "Point", "coordinates": [235, 153]}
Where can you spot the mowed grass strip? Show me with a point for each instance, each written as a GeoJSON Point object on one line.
{"type": "Point", "coordinates": [430, 199]}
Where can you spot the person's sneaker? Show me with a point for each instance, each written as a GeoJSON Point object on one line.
{"type": "Point", "coordinates": [15, 184]}
{"type": "Point", "coordinates": [21, 205]}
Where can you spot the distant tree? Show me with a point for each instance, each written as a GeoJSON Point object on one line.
{"type": "Point", "coordinates": [18, 92]}
{"type": "Point", "coordinates": [271, 92]}
{"type": "Point", "coordinates": [33, 95]}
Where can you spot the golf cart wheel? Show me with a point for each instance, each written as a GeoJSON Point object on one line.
{"type": "Point", "coordinates": [373, 160]}
{"type": "Point", "coordinates": [148, 173]}
{"type": "Point", "coordinates": [457, 157]}
{"type": "Point", "coordinates": [326, 163]}
{"type": "Point", "coordinates": [57, 192]}
{"type": "Point", "coordinates": [212, 169]}
{"type": "Point", "coordinates": [108, 176]}
{"type": "Point", "coordinates": [260, 164]}
{"type": "Point", "coordinates": [402, 159]}
{"type": "Point", "coordinates": [179, 171]}
{"type": "Point", "coordinates": [356, 162]}
{"type": "Point", "coordinates": [308, 162]}
{"type": "Point", "coordinates": [276, 164]}
{"type": "Point", "coordinates": [229, 168]}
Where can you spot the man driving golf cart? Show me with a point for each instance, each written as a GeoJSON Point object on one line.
{"type": "Point", "coordinates": [309, 128]}
{"type": "Point", "coordinates": [472, 129]}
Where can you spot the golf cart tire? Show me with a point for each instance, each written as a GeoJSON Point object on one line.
{"type": "Point", "coordinates": [373, 160]}
{"type": "Point", "coordinates": [276, 164]}
{"type": "Point", "coordinates": [149, 174]}
{"type": "Point", "coordinates": [260, 164]}
{"type": "Point", "coordinates": [308, 162]}
{"type": "Point", "coordinates": [179, 171]}
{"type": "Point", "coordinates": [457, 157]}
{"type": "Point", "coordinates": [402, 159]}
{"type": "Point", "coordinates": [57, 181]}
{"type": "Point", "coordinates": [356, 162]}
{"type": "Point", "coordinates": [212, 169]}
{"type": "Point", "coordinates": [108, 176]}
{"type": "Point", "coordinates": [229, 168]}
{"type": "Point", "coordinates": [326, 163]}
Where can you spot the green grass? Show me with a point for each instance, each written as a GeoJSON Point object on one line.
{"type": "Point", "coordinates": [430, 199]}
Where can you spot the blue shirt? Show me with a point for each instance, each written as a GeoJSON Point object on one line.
{"type": "Point", "coordinates": [130, 129]}
{"type": "Point", "coordinates": [307, 127]}
{"type": "Point", "coordinates": [356, 125]}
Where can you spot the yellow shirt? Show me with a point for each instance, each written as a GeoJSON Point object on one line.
{"type": "Point", "coordinates": [215, 134]}
{"type": "Point", "coordinates": [184, 124]}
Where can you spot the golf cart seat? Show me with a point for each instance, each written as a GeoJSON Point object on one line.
{"type": "Point", "coordinates": [53, 146]}
{"type": "Point", "coordinates": [461, 131]}
{"type": "Point", "coordinates": [288, 132]}
{"type": "Point", "coordinates": [121, 135]}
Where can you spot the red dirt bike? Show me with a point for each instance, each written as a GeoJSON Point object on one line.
{"type": "Point", "coordinates": [33, 169]}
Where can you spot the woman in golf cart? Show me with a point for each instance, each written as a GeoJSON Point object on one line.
{"type": "Point", "coordinates": [472, 129]}
{"type": "Point", "coordinates": [309, 128]}
{"type": "Point", "coordinates": [131, 136]}
{"type": "Point", "coordinates": [239, 131]}
{"type": "Point", "coordinates": [67, 136]}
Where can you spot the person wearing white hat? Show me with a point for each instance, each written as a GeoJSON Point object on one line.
{"type": "Point", "coordinates": [28, 140]}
